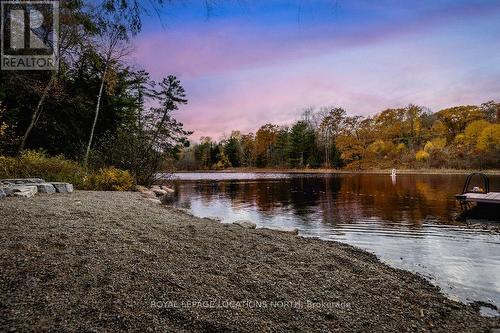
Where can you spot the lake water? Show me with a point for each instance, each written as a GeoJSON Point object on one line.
{"type": "Point", "coordinates": [408, 222]}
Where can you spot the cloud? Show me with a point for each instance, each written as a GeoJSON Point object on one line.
{"type": "Point", "coordinates": [240, 76]}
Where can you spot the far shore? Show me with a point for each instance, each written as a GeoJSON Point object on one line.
{"type": "Point", "coordinates": [342, 171]}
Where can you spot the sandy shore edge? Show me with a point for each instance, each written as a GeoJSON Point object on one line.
{"type": "Point", "coordinates": [108, 260]}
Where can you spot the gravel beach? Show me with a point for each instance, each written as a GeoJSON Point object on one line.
{"type": "Point", "coordinates": [114, 261]}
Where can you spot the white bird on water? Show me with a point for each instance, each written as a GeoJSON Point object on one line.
{"type": "Point", "coordinates": [393, 176]}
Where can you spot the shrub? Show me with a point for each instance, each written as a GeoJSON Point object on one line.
{"type": "Point", "coordinates": [35, 164]}
{"type": "Point", "coordinates": [110, 179]}
{"type": "Point", "coordinates": [133, 153]}
{"type": "Point", "coordinates": [422, 155]}
{"type": "Point", "coordinates": [400, 148]}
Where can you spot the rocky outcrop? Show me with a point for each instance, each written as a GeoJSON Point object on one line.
{"type": "Point", "coordinates": [45, 188]}
{"type": "Point", "coordinates": [157, 193]}
{"type": "Point", "coordinates": [21, 181]}
{"type": "Point", "coordinates": [28, 187]}
{"type": "Point", "coordinates": [63, 187]}
{"type": "Point", "coordinates": [25, 191]}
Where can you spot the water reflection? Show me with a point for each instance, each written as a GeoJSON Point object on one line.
{"type": "Point", "coordinates": [408, 221]}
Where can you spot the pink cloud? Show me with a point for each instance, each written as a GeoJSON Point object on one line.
{"type": "Point", "coordinates": [241, 77]}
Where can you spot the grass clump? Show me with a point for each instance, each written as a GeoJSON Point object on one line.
{"type": "Point", "coordinates": [36, 164]}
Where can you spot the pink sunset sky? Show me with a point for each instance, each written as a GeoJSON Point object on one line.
{"type": "Point", "coordinates": [245, 64]}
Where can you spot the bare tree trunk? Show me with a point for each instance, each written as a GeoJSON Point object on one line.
{"type": "Point", "coordinates": [36, 113]}
{"type": "Point", "coordinates": [98, 106]}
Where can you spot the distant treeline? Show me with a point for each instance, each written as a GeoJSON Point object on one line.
{"type": "Point", "coordinates": [412, 137]}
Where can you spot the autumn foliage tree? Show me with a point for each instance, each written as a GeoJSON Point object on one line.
{"type": "Point", "coordinates": [409, 137]}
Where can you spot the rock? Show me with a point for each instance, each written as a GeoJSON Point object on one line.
{"type": "Point", "coordinates": [8, 190]}
{"type": "Point", "coordinates": [167, 198]}
{"type": "Point", "coordinates": [168, 189]}
{"type": "Point", "coordinates": [245, 224]}
{"type": "Point", "coordinates": [63, 187]}
{"type": "Point", "coordinates": [2, 194]}
{"type": "Point", "coordinates": [145, 192]}
{"type": "Point", "coordinates": [46, 188]}
{"type": "Point", "coordinates": [156, 201]}
{"type": "Point", "coordinates": [140, 188]}
{"type": "Point", "coordinates": [20, 181]}
{"type": "Point", "coordinates": [148, 194]}
{"type": "Point", "coordinates": [25, 191]}
{"type": "Point", "coordinates": [159, 192]}
{"type": "Point", "coordinates": [293, 231]}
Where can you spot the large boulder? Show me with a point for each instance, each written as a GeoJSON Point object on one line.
{"type": "Point", "coordinates": [25, 191]}
{"type": "Point", "coordinates": [63, 187]}
{"type": "Point", "coordinates": [45, 188]}
{"type": "Point", "coordinates": [8, 190]}
{"type": "Point", "coordinates": [20, 181]}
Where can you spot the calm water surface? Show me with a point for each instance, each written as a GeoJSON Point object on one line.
{"type": "Point", "coordinates": [408, 222]}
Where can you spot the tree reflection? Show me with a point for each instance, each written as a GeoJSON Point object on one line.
{"type": "Point", "coordinates": [334, 199]}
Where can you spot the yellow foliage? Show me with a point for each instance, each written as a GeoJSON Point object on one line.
{"type": "Point", "coordinates": [111, 80]}
{"type": "Point", "coordinates": [378, 147]}
{"type": "Point", "coordinates": [35, 164]}
{"type": "Point", "coordinates": [460, 139]}
{"type": "Point", "coordinates": [428, 147]}
{"type": "Point", "coordinates": [3, 126]}
{"type": "Point", "coordinates": [350, 147]}
{"type": "Point", "coordinates": [474, 129]}
{"type": "Point", "coordinates": [439, 143]}
{"type": "Point", "coordinates": [435, 145]}
{"type": "Point", "coordinates": [400, 148]}
{"type": "Point", "coordinates": [489, 139]}
{"type": "Point", "coordinates": [422, 155]}
{"type": "Point", "coordinates": [223, 162]}
{"type": "Point", "coordinates": [110, 179]}
{"type": "Point", "coordinates": [438, 128]}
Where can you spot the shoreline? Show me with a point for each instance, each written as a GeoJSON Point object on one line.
{"type": "Point", "coordinates": [335, 171]}
{"type": "Point", "coordinates": [114, 260]}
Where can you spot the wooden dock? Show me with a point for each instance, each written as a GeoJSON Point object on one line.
{"type": "Point", "coordinates": [490, 197]}
{"type": "Point", "coordinates": [479, 202]}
